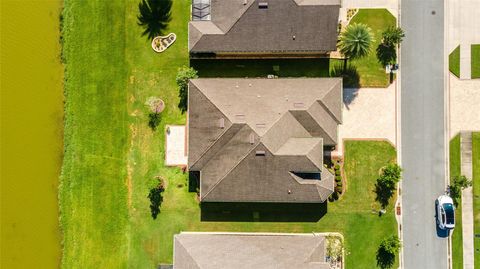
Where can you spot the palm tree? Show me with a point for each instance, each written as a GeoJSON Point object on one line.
{"type": "Point", "coordinates": [393, 36]}
{"type": "Point", "coordinates": [154, 16]}
{"type": "Point", "coordinates": [355, 42]}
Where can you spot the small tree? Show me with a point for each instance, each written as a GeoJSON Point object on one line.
{"type": "Point", "coordinates": [355, 42]}
{"type": "Point", "coordinates": [459, 183]}
{"type": "Point", "coordinates": [386, 51]}
{"type": "Point", "coordinates": [387, 182]}
{"type": "Point", "coordinates": [156, 199]}
{"type": "Point", "coordinates": [387, 251]}
{"type": "Point", "coordinates": [156, 106]}
{"type": "Point", "coordinates": [183, 76]}
{"type": "Point", "coordinates": [154, 16]}
{"type": "Point", "coordinates": [393, 36]}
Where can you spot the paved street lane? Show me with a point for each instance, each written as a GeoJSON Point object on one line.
{"type": "Point", "coordinates": [423, 132]}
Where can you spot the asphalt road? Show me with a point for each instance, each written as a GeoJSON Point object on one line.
{"type": "Point", "coordinates": [423, 132]}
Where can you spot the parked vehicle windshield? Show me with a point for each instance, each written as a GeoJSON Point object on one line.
{"type": "Point", "coordinates": [449, 212]}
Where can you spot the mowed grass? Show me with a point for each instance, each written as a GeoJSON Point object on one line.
{"type": "Point", "coordinates": [372, 73]}
{"type": "Point", "coordinates": [476, 194]}
{"type": "Point", "coordinates": [475, 62]}
{"type": "Point", "coordinates": [457, 237]}
{"type": "Point", "coordinates": [112, 157]}
{"type": "Point", "coordinates": [454, 61]}
{"type": "Point", "coordinates": [92, 193]}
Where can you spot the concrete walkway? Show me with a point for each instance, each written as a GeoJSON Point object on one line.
{"type": "Point", "coordinates": [463, 24]}
{"type": "Point", "coordinates": [464, 105]}
{"type": "Point", "coordinates": [175, 152]}
{"type": "Point", "coordinates": [467, 200]}
{"type": "Point", "coordinates": [465, 61]}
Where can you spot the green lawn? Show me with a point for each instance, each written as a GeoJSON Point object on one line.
{"type": "Point", "coordinates": [372, 73]}
{"type": "Point", "coordinates": [475, 61]}
{"type": "Point", "coordinates": [454, 61]}
{"type": "Point", "coordinates": [476, 194]}
{"type": "Point", "coordinates": [112, 157]}
{"type": "Point", "coordinates": [455, 170]}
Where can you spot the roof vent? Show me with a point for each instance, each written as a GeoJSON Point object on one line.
{"type": "Point", "coordinates": [298, 105]}
{"type": "Point", "coordinates": [261, 125]}
{"type": "Point", "coordinates": [240, 117]}
{"type": "Point", "coordinates": [262, 5]}
{"type": "Point", "coordinates": [221, 123]}
{"type": "Point", "coordinates": [252, 138]}
{"type": "Point", "coordinates": [245, 2]}
{"type": "Point", "coordinates": [260, 153]}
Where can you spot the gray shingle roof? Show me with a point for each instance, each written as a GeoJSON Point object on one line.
{"type": "Point", "coordinates": [247, 250]}
{"type": "Point", "coordinates": [235, 27]}
{"type": "Point", "coordinates": [246, 136]}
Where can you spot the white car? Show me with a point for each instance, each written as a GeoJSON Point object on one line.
{"type": "Point", "coordinates": [445, 212]}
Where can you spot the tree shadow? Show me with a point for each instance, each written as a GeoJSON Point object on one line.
{"type": "Point", "coordinates": [385, 259]}
{"type": "Point", "coordinates": [263, 212]}
{"type": "Point", "coordinates": [351, 77]}
{"type": "Point", "coordinates": [154, 120]}
{"type": "Point", "coordinates": [384, 194]}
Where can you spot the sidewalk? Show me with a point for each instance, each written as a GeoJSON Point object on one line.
{"type": "Point", "coordinates": [467, 200]}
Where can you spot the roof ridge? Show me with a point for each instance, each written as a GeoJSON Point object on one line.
{"type": "Point", "coordinates": [231, 169]}
{"type": "Point", "coordinates": [188, 252]}
{"type": "Point", "coordinates": [319, 125]}
{"type": "Point", "coordinates": [239, 17]}
{"type": "Point", "coordinates": [219, 110]}
{"type": "Point", "coordinates": [309, 257]}
{"type": "Point", "coordinates": [216, 141]}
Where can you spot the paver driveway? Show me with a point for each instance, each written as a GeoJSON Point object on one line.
{"type": "Point", "coordinates": [368, 113]}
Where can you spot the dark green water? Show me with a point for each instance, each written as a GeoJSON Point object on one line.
{"type": "Point", "coordinates": [31, 133]}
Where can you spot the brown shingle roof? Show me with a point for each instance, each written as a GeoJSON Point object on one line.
{"type": "Point", "coordinates": [235, 27]}
{"type": "Point", "coordinates": [249, 250]}
{"type": "Point", "coordinates": [245, 138]}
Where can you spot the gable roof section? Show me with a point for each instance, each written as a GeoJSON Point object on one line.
{"type": "Point", "coordinates": [249, 250]}
{"type": "Point", "coordinates": [259, 116]}
{"type": "Point", "coordinates": [247, 28]}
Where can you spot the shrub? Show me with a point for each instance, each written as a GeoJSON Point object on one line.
{"type": "Point", "coordinates": [338, 179]}
{"type": "Point", "coordinates": [338, 189]}
{"type": "Point", "coordinates": [338, 172]}
{"type": "Point", "coordinates": [183, 76]}
{"type": "Point", "coordinates": [459, 183]}
{"type": "Point", "coordinates": [333, 197]}
{"type": "Point", "coordinates": [336, 166]}
{"type": "Point", "coordinates": [386, 183]}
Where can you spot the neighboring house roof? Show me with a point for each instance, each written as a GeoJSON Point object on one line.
{"type": "Point", "coordinates": [249, 250]}
{"type": "Point", "coordinates": [285, 26]}
{"type": "Point", "coordinates": [247, 137]}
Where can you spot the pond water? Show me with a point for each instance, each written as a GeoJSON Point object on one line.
{"type": "Point", "coordinates": [31, 133]}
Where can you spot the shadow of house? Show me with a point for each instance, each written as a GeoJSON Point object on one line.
{"type": "Point", "coordinates": [231, 68]}
{"type": "Point", "coordinates": [262, 212]}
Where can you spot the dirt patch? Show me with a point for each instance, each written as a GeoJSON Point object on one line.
{"type": "Point", "coordinates": [133, 135]}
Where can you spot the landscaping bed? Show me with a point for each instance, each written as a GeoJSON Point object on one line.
{"type": "Point", "coordinates": [476, 194]}
{"type": "Point", "coordinates": [457, 237]}
{"type": "Point", "coordinates": [475, 61]}
{"type": "Point", "coordinates": [454, 61]}
{"type": "Point", "coordinates": [371, 71]}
